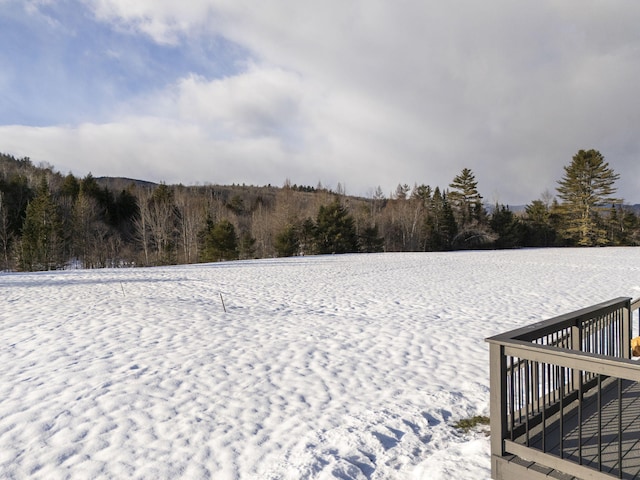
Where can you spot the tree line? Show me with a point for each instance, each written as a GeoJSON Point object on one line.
{"type": "Point", "coordinates": [50, 221]}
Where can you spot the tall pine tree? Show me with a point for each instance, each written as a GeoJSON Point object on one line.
{"type": "Point", "coordinates": [586, 189]}
{"type": "Point", "coordinates": [465, 199]}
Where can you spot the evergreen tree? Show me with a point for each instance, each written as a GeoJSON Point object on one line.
{"type": "Point", "coordinates": [307, 237]}
{"type": "Point", "coordinates": [586, 189]}
{"type": "Point", "coordinates": [465, 199]}
{"type": "Point", "coordinates": [630, 228]}
{"type": "Point", "coordinates": [89, 186]}
{"type": "Point", "coordinates": [219, 241]}
{"type": "Point", "coordinates": [246, 246]}
{"type": "Point", "coordinates": [236, 205]}
{"type": "Point", "coordinates": [538, 229]}
{"type": "Point", "coordinates": [6, 236]}
{"type": "Point", "coordinates": [124, 212]}
{"type": "Point", "coordinates": [42, 245]}
{"type": "Point", "coordinates": [473, 228]}
{"type": "Point", "coordinates": [422, 192]}
{"type": "Point", "coordinates": [335, 230]}
{"type": "Point", "coordinates": [370, 240]}
{"type": "Point", "coordinates": [440, 224]}
{"type": "Point", "coordinates": [18, 194]}
{"type": "Point", "coordinates": [402, 191]}
{"type": "Point", "coordinates": [615, 229]}
{"type": "Point", "coordinates": [70, 187]}
{"type": "Point", "coordinates": [287, 243]}
{"type": "Point", "coordinates": [507, 226]}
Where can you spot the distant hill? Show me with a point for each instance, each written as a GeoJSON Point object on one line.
{"type": "Point", "coordinates": [635, 208]}
{"type": "Point", "coordinates": [490, 207]}
{"type": "Point", "coordinates": [122, 183]}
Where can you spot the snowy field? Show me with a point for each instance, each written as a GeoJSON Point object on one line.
{"type": "Point", "coordinates": [349, 367]}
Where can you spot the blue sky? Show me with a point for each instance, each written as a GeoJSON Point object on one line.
{"type": "Point", "coordinates": [66, 66]}
{"type": "Point", "coordinates": [365, 94]}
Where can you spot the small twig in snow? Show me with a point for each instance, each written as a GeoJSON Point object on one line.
{"type": "Point", "coordinates": [222, 300]}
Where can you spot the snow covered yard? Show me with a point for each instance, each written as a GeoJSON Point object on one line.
{"type": "Point", "coordinates": [352, 367]}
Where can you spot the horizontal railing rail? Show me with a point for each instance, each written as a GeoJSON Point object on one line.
{"type": "Point", "coordinates": [547, 377]}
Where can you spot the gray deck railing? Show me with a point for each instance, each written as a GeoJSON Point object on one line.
{"type": "Point", "coordinates": [550, 384]}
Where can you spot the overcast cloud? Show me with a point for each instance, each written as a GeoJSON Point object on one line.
{"type": "Point", "coordinates": [366, 93]}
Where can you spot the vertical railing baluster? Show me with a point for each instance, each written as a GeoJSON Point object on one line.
{"type": "Point", "coordinates": [620, 426]}
{"type": "Point", "coordinates": [600, 422]}
{"type": "Point", "coordinates": [620, 337]}
{"type": "Point", "coordinates": [529, 382]}
{"type": "Point", "coordinates": [536, 386]}
{"type": "Point", "coordinates": [562, 412]}
{"type": "Point", "coordinates": [512, 399]}
{"type": "Point", "coordinates": [611, 318]}
{"type": "Point", "coordinates": [580, 394]}
{"type": "Point", "coordinates": [545, 391]}
{"type": "Point", "coordinates": [610, 333]}
{"type": "Point", "coordinates": [555, 384]}
{"type": "Point", "coordinates": [624, 327]}
{"type": "Point", "coordinates": [527, 378]}
{"type": "Point", "coordinates": [605, 334]}
{"type": "Point", "coordinates": [519, 394]}
{"type": "Point", "coordinates": [599, 335]}
{"type": "Point", "coordinates": [608, 330]}
{"type": "Point", "coordinates": [615, 334]}
{"type": "Point", "coordinates": [602, 339]}
{"type": "Point", "coordinates": [614, 339]}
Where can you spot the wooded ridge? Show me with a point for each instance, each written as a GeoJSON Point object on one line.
{"type": "Point", "coordinates": [50, 221]}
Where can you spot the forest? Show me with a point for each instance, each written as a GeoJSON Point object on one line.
{"type": "Point", "coordinates": [53, 221]}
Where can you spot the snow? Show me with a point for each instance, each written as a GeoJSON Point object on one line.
{"type": "Point", "coordinates": [348, 366]}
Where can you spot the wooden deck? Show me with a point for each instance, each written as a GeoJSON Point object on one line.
{"type": "Point", "coordinates": [597, 422]}
{"type": "Point", "coordinates": [565, 396]}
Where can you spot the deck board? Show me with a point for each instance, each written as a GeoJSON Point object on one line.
{"type": "Point", "coordinates": [592, 416]}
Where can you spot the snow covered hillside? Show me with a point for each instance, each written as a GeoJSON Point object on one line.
{"type": "Point", "coordinates": [352, 367]}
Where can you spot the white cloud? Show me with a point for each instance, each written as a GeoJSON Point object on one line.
{"type": "Point", "coordinates": [163, 20]}
{"type": "Point", "coordinates": [260, 102]}
{"type": "Point", "coordinates": [145, 148]}
{"type": "Point", "coordinates": [376, 93]}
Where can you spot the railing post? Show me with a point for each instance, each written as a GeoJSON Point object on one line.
{"type": "Point", "coordinates": [576, 345]}
{"type": "Point", "coordinates": [626, 330]}
{"type": "Point", "coordinates": [498, 402]}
